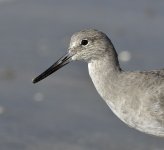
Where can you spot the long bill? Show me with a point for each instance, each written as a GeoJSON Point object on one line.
{"type": "Point", "coordinates": [64, 60]}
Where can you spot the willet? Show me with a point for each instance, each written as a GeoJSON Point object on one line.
{"type": "Point", "coordinates": [137, 98]}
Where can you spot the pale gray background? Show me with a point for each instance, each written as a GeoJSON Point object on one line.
{"type": "Point", "coordinates": [64, 112]}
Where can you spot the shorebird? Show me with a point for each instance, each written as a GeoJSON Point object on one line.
{"type": "Point", "coordinates": [137, 98]}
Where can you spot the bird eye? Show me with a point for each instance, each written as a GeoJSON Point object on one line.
{"type": "Point", "coordinates": [84, 42]}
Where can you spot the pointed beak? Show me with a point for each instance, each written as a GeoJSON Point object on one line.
{"type": "Point", "coordinates": [56, 66]}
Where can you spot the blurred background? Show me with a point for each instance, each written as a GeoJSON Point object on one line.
{"type": "Point", "coordinates": [64, 111]}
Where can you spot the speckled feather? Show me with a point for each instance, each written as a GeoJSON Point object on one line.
{"type": "Point", "coordinates": [137, 98]}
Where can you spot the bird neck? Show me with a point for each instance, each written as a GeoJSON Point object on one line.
{"type": "Point", "coordinates": [104, 73]}
{"type": "Point", "coordinates": [108, 64]}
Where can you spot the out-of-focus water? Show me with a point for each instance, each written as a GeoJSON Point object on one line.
{"type": "Point", "coordinates": [64, 112]}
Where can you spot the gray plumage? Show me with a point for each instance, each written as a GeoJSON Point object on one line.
{"type": "Point", "coordinates": [137, 98]}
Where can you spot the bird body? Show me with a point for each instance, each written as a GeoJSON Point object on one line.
{"type": "Point", "coordinates": [137, 98]}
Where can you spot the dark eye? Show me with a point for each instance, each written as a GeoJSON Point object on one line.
{"type": "Point", "coordinates": [84, 42]}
